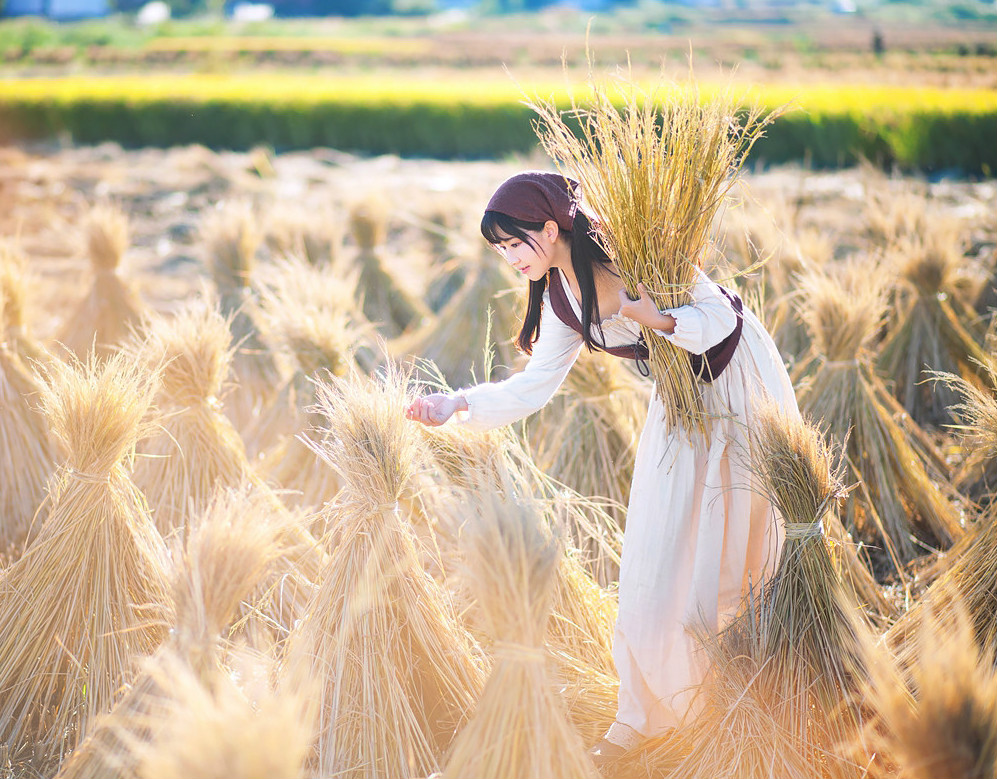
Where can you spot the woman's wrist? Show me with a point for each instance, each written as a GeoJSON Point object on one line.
{"type": "Point", "coordinates": [461, 402]}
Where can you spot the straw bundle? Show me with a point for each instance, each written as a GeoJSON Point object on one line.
{"type": "Point", "coordinates": [381, 634]}
{"type": "Point", "coordinates": [929, 331]}
{"type": "Point", "coordinates": [457, 341]}
{"type": "Point", "coordinates": [519, 729]}
{"type": "Point", "coordinates": [937, 715]}
{"type": "Point", "coordinates": [587, 437]}
{"type": "Point", "coordinates": [902, 502]}
{"type": "Point", "coordinates": [112, 306]}
{"type": "Point", "coordinates": [197, 451]}
{"type": "Point", "coordinates": [27, 455]}
{"type": "Point", "coordinates": [96, 574]}
{"type": "Point", "coordinates": [656, 172]}
{"type": "Point", "coordinates": [225, 556]}
{"type": "Point", "coordinates": [232, 237]}
{"type": "Point", "coordinates": [383, 300]}
{"type": "Point", "coordinates": [781, 672]}
{"type": "Point", "coordinates": [313, 320]}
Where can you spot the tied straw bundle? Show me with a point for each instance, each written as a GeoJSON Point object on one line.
{"type": "Point", "coordinates": [519, 729]}
{"type": "Point", "coordinates": [398, 671]}
{"type": "Point", "coordinates": [104, 318]}
{"type": "Point", "coordinates": [902, 502]}
{"type": "Point", "coordinates": [773, 704]}
{"type": "Point", "coordinates": [655, 168]}
{"type": "Point", "coordinates": [976, 420]}
{"type": "Point", "coordinates": [198, 450]}
{"type": "Point", "coordinates": [95, 577]}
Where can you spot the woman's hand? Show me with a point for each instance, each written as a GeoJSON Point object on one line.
{"type": "Point", "coordinates": [644, 311]}
{"type": "Point", "coordinates": [435, 409]}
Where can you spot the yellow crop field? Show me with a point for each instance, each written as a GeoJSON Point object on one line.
{"type": "Point", "coordinates": [479, 90]}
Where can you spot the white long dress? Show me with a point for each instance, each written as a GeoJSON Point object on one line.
{"type": "Point", "coordinates": [698, 529]}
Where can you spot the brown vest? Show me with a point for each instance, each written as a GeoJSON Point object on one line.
{"type": "Point", "coordinates": [706, 367]}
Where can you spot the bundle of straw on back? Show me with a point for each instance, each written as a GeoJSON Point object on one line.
{"type": "Point", "coordinates": [479, 319]}
{"type": "Point", "coordinates": [519, 729]}
{"type": "Point", "coordinates": [27, 455]}
{"type": "Point", "coordinates": [655, 172]}
{"type": "Point", "coordinates": [382, 298]}
{"type": "Point", "coordinates": [930, 331]}
{"type": "Point", "coordinates": [104, 317]}
{"type": "Point", "coordinates": [381, 634]}
{"type": "Point", "coordinates": [90, 594]}
{"type": "Point", "coordinates": [448, 269]}
{"type": "Point", "coordinates": [224, 558]}
{"type": "Point", "coordinates": [197, 451]}
{"type": "Point", "coordinates": [587, 437]}
{"type": "Point", "coordinates": [902, 502]}
{"type": "Point", "coordinates": [934, 714]}
{"type": "Point", "coordinates": [232, 237]}
{"type": "Point", "coordinates": [773, 703]}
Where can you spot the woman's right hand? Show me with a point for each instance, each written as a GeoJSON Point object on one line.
{"type": "Point", "coordinates": [435, 409]}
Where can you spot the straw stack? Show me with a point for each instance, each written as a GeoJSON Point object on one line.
{"type": "Point", "coordinates": [587, 437]}
{"type": "Point", "coordinates": [314, 321]}
{"type": "Point", "coordinates": [384, 301]}
{"type": "Point", "coordinates": [773, 703]}
{"type": "Point", "coordinates": [519, 729]}
{"type": "Point", "coordinates": [232, 237]}
{"type": "Point", "coordinates": [381, 634]}
{"type": "Point", "coordinates": [27, 455]}
{"type": "Point", "coordinates": [197, 451]}
{"type": "Point", "coordinates": [224, 558]}
{"type": "Point", "coordinates": [902, 502]}
{"type": "Point", "coordinates": [935, 715]}
{"type": "Point", "coordinates": [479, 320]}
{"type": "Point", "coordinates": [104, 317]}
{"type": "Point", "coordinates": [96, 574]}
{"type": "Point", "coordinates": [656, 171]}
{"type": "Point", "coordinates": [930, 329]}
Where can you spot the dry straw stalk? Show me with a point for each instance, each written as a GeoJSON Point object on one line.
{"type": "Point", "coordinates": [655, 168]}
{"type": "Point", "coordinates": [519, 729]}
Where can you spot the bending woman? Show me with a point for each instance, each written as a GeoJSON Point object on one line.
{"type": "Point", "coordinates": [698, 532]}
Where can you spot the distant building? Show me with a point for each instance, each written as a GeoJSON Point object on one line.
{"type": "Point", "coordinates": [58, 10]}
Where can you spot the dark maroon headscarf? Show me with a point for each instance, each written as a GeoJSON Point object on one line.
{"type": "Point", "coordinates": [537, 196]}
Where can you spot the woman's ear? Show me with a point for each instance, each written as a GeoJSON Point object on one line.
{"type": "Point", "coordinates": [551, 230]}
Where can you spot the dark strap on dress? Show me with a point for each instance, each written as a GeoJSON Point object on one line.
{"type": "Point", "coordinates": [716, 357]}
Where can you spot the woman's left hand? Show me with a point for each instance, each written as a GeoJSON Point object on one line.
{"type": "Point", "coordinates": [645, 311]}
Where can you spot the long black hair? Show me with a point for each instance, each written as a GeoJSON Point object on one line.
{"type": "Point", "coordinates": [586, 255]}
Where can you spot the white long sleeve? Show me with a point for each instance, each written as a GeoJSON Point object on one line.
{"type": "Point", "coordinates": [494, 404]}
{"type": "Point", "coordinates": [703, 323]}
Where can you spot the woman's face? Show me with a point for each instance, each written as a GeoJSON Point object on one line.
{"type": "Point", "coordinates": [531, 258]}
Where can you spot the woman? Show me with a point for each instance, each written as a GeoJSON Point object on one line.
{"type": "Point", "coordinates": [698, 533]}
